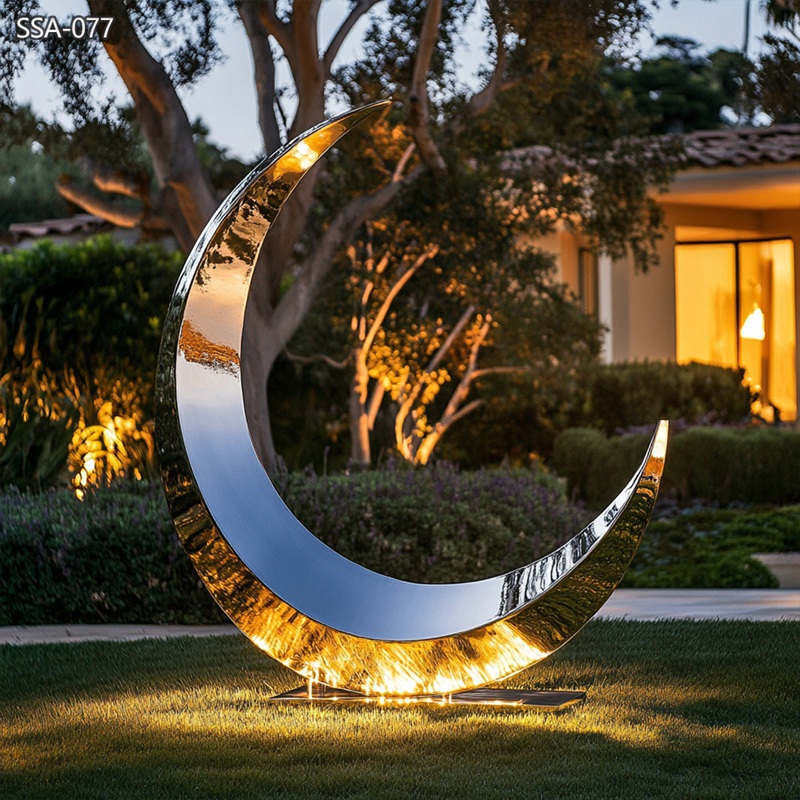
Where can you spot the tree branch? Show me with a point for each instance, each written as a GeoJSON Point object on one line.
{"type": "Point", "coordinates": [264, 74]}
{"type": "Point", "coordinates": [403, 162]}
{"type": "Point", "coordinates": [419, 112]}
{"type": "Point", "coordinates": [107, 179]}
{"type": "Point", "coordinates": [410, 398]}
{"type": "Point", "coordinates": [393, 292]}
{"type": "Point", "coordinates": [460, 414]}
{"type": "Point", "coordinates": [452, 412]}
{"type": "Point", "coordinates": [294, 304]}
{"type": "Point", "coordinates": [299, 41]}
{"type": "Point", "coordinates": [116, 215]}
{"type": "Point", "coordinates": [304, 31]}
{"type": "Point", "coordinates": [162, 118]}
{"type": "Point", "coordinates": [482, 99]}
{"type": "Point", "coordinates": [331, 362]}
{"type": "Point", "coordinates": [356, 12]}
{"type": "Point", "coordinates": [275, 26]}
{"type": "Point", "coordinates": [461, 391]}
{"type": "Point", "coordinates": [375, 400]}
{"type": "Point", "coordinates": [448, 342]}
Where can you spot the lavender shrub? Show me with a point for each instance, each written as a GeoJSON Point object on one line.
{"type": "Point", "coordinates": [437, 524]}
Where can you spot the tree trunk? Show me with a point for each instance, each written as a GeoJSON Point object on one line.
{"type": "Point", "coordinates": [360, 455]}
{"type": "Point", "coordinates": [163, 121]}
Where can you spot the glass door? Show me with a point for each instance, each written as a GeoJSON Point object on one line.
{"type": "Point", "coordinates": [735, 306]}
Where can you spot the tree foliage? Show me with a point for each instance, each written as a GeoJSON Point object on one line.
{"type": "Point", "coordinates": [542, 87]}
{"type": "Point", "coordinates": [680, 90]}
{"type": "Point", "coordinates": [432, 311]}
{"type": "Point", "coordinates": [777, 79]}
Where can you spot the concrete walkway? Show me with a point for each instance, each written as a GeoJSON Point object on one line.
{"type": "Point", "coordinates": [631, 604]}
{"type": "Point", "coordinates": [759, 605]}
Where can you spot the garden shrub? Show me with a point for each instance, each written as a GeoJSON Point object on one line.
{"type": "Point", "coordinates": [437, 524]}
{"type": "Point", "coordinates": [597, 468]}
{"type": "Point", "coordinates": [80, 327]}
{"type": "Point", "coordinates": [712, 548]}
{"type": "Point", "coordinates": [723, 465]}
{"type": "Point", "coordinates": [112, 558]}
{"type": "Point", "coordinates": [38, 413]}
{"type": "Point", "coordinates": [751, 465]}
{"type": "Point", "coordinates": [641, 393]}
{"type": "Point", "coordinates": [115, 557]}
{"type": "Point", "coordinates": [85, 307]}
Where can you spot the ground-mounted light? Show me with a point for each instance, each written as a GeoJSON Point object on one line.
{"type": "Point", "coordinates": [333, 621]}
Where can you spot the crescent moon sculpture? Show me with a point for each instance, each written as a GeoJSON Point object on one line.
{"type": "Point", "coordinates": [328, 618]}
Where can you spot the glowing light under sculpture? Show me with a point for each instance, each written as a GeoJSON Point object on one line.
{"type": "Point", "coordinates": [326, 617]}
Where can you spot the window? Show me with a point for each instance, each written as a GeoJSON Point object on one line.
{"type": "Point", "coordinates": [735, 307]}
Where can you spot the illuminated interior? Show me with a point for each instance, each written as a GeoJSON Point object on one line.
{"type": "Point", "coordinates": [735, 307]}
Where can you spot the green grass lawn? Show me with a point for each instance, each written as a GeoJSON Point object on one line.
{"type": "Point", "coordinates": [679, 709]}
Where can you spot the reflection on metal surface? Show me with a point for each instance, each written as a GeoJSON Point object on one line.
{"type": "Point", "coordinates": [196, 347]}
{"type": "Point", "coordinates": [313, 610]}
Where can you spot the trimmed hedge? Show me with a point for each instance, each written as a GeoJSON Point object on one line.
{"type": "Point", "coordinates": [116, 558]}
{"type": "Point", "coordinates": [112, 558]}
{"type": "Point", "coordinates": [96, 305]}
{"type": "Point", "coordinates": [713, 549]}
{"type": "Point", "coordinates": [723, 465]}
{"type": "Point", "coordinates": [628, 395]}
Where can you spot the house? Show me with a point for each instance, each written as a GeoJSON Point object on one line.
{"type": "Point", "coordinates": [74, 229]}
{"type": "Point", "coordinates": [727, 288]}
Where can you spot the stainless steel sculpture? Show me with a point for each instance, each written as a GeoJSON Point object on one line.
{"type": "Point", "coordinates": [313, 610]}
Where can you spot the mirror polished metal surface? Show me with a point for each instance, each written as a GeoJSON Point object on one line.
{"type": "Point", "coordinates": [486, 698]}
{"type": "Point", "coordinates": [310, 608]}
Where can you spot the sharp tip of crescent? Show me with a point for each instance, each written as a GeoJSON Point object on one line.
{"type": "Point", "coordinates": [371, 110]}
{"type": "Point", "coordinates": [659, 446]}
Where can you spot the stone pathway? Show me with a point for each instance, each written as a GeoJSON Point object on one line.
{"type": "Point", "coordinates": [763, 605]}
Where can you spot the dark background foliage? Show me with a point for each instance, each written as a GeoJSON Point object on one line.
{"type": "Point", "coordinates": [717, 464]}
{"type": "Point", "coordinates": [93, 306]}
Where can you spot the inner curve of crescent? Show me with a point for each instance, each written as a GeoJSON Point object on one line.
{"type": "Point", "coordinates": [309, 607]}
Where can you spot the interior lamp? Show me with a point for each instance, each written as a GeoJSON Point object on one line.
{"type": "Point", "coordinates": [753, 327]}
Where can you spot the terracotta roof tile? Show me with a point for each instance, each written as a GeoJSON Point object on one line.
{"type": "Point", "coordinates": [741, 146]}
{"type": "Point", "coordinates": [79, 222]}
{"type": "Point", "coordinates": [730, 147]}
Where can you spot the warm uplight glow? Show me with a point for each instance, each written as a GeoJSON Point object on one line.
{"type": "Point", "coordinates": [487, 696]}
{"type": "Point", "coordinates": [753, 327]}
{"type": "Point", "coordinates": [115, 447]}
{"type": "Point", "coordinates": [393, 670]}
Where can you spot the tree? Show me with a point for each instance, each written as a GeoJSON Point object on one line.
{"type": "Point", "coordinates": [27, 175]}
{"type": "Point", "coordinates": [427, 316]}
{"type": "Point", "coordinates": [777, 79]}
{"type": "Point", "coordinates": [543, 57]}
{"type": "Point", "coordinates": [680, 90]}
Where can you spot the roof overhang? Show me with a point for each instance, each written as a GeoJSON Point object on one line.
{"type": "Point", "coordinates": [754, 186]}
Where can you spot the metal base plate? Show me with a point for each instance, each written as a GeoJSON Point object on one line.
{"type": "Point", "coordinates": [505, 698]}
